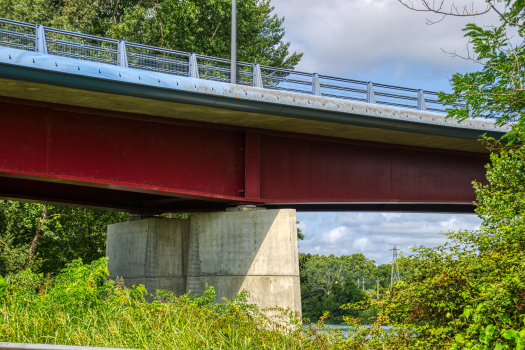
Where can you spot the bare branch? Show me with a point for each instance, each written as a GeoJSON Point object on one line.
{"type": "Point", "coordinates": [315, 286]}
{"type": "Point", "coordinates": [506, 20]}
{"type": "Point", "coordinates": [469, 58]}
{"type": "Point", "coordinates": [454, 10]}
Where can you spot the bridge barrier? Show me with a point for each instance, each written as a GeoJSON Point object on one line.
{"type": "Point", "coordinates": [60, 42]}
{"type": "Point", "coordinates": [26, 346]}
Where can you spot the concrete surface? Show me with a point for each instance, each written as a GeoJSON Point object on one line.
{"type": "Point", "coordinates": [152, 252]}
{"type": "Point", "coordinates": [253, 250]}
{"type": "Point", "coordinates": [250, 250]}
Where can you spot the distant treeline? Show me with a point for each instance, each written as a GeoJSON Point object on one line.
{"type": "Point", "coordinates": [327, 282]}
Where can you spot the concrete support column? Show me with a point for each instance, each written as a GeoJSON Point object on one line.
{"type": "Point", "coordinates": [193, 285]}
{"type": "Point", "coordinates": [253, 250]}
{"type": "Point", "coordinates": [152, 252]}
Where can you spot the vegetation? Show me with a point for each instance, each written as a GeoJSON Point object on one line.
{"type": "Point", "coordinates": [46, 237]}
{"type": "Point", "coordinates": [76, 307]}
{"type": "Point", "coordinates": [497, 90]}
{"type": "Point", "coordinates": [327, 282]}
{"type": "Point", "coordinates": [201, 26]}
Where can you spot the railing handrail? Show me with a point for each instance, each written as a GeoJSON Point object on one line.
{"type": "Point", "coordinates": [80, 35]}
{"type": "Point", "coordinates": [262, 76]}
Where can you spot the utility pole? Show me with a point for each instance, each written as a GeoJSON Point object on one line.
{"type": "Point", "coordinates": [363, 283]}
{"type": "Point", "coordinates": [233, 69]}
{"type": "Point", "coordinates": [394, 276]}
{"type": "Point", "coordinates": [377, 281]}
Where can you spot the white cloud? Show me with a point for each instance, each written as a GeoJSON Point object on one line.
{"type": "Point", "coordinates": [374, 234]}
{"type": "Point", "coordinates": [375, 40]}
{"type": "Point", "coordinates": [338, 235]}
{"type": "Point", "coordinates": [362, 244]}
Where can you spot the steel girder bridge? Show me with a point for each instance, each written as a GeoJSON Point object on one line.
{"type": "Point", "coordinates": [104, 123]}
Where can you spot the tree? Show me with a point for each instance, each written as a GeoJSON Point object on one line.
{"type": "Point", "coordinates": [75, 15]}
{"type": "Point", "coordinates": [328, 282]}
{"type": "Point", "coordinates": [300, 234]}
{"type": "Point", "coordinates": [343, 293]}
{"type": "Point", "coordinates": [497, 90]}
{"type": "Point", "coordinates": [46, 237]}
{"type": "Point", "coordinates": [201, 26]}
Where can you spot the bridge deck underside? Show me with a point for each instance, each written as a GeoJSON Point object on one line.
{"type": "Point", "coordinates": [123, 161]}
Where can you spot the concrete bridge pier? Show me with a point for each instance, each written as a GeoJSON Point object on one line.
{"type": "Point", "coordinates": [253, 250]}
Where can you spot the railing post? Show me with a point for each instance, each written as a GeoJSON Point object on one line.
{"type": "Point", "coordinates": [469, 110]}
{"type": "Point", "coordinates": [40, 39]}
{"type": "Point", "coordinates": [316, 87]}
{"type": "Point", "coordinates": [122, 56]}
{"type": "Point", "coordinates": [257, 76]}
{"type": "Point", "coordinates": [370, 97]}
{"type": "Point", "coordinates": [194, 69]}
{"type": "Point", "coordinates": [421, 100]}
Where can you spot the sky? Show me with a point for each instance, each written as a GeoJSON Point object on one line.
{"type": "Point", "coordinates": [383, 42]}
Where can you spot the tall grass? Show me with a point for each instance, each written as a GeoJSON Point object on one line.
{"type": "Point", "coordinates": [78, 307]}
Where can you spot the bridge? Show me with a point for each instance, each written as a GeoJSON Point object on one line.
{"type": "Point", "coordinates": [105, 123]}
{"type": "Point", "coordinates": [144, 129]}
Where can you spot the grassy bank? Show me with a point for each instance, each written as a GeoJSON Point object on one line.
{"type": "Point", "coordinates": [77, 308]}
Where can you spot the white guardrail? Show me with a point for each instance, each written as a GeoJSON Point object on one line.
{"type": "Point", "coordinates": [60, 42]}
{"type": "Point", "coordinates": [50, 347]}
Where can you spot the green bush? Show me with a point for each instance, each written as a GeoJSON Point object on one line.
{"type": "Point", "coordinates": [79, 307]}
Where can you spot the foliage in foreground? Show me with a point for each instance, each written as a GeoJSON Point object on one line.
{"type": "Point", "coordinates": [470, 292]}
{"type": "Point", "coordinates": [78, 307]}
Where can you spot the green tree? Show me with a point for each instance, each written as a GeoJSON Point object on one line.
{"type": "Point", "coordinates": [300, 234]}
{"type": "Point", "coordinates": [322, 271]}
{"type": "Point", "coordinates": [201, 26]}
{"type": "Point", "coordinates": [328, 282]}
{"type": "Point", "coordinates": [76, 15]}
{"type": "Point", "coordinates": [343, 293]}
{"type": "Point", "coordinates": [47, 237]}
{"type": "Point", "coordinates": [496, 90]}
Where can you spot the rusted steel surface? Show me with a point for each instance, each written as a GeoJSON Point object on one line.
{"type": "Point", "coordinates": [77, 157]}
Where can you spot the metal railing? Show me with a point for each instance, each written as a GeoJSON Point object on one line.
{"type": "Point", "coordinates": [59, 42]}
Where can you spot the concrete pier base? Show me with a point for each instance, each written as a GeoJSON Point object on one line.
{"type": "Point", "coordinates": [152, 252]}
{"type": "Point", "coordinates": [253, 250]}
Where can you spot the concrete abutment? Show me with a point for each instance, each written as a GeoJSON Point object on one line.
{"type": "Point", "coordinates": [253, 250]}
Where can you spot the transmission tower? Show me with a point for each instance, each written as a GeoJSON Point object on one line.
{"type": "Point", "coordinates": [394, 276]}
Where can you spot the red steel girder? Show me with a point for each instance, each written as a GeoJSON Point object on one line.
{"type": "Point", "coordinates": [55, 152]}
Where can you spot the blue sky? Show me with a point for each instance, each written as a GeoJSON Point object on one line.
{"type": "Point", "coordinates": [379, 41]}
